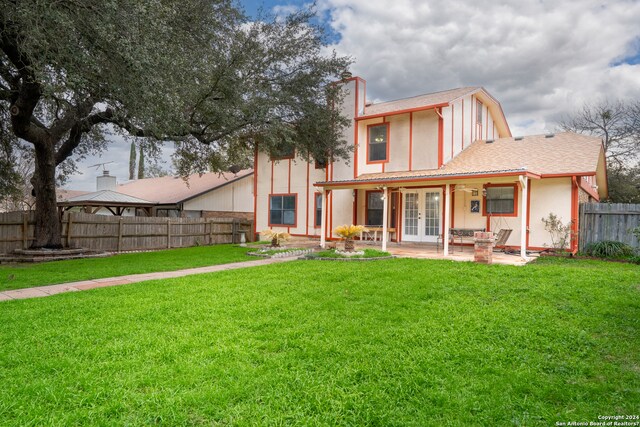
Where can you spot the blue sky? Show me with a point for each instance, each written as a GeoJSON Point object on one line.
{"type": "Point", "coordinates": [543, 60]}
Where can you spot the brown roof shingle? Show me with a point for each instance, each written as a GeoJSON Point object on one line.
{"type": "Point", "coordinates": [564, 153]}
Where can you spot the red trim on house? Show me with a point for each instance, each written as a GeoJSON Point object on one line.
{"type": "Point", "coordinates": [411, 141]}
{"type": "Point", "coordinates": [408, 110]}
{"type": "Point", "coordinates": [271, 177]}
{"type": "Point", "coordinates": [399, 223]}
{"type": "Point", "coordinates": [486, 132]}
{"type": "Point", "coordinates": [590, 190]}
{"type": "Point", "coordinates": [307, 191]}
{"type": "Point", "coordinates": [427, 178]}
{"type": "Point", "coordinates": [384, 123]}
{"type": "Point", "coordinates": [315, 208]}
{"type": "Point", "coordinates": [440, 141]}
{"type": "Point", "coordinates": [289, 178]}
{"type": "Point", "coordinates": [295, 223]}
{"type": "Point", "coordinates": [452, 189]}
{"type": "Point", "coordinates": [473, 129]}
{"type": "Point", "coordinates": [452, 129]}
{"type": "Point", "coordinates": [528, 210]}
{"type": "Point", "coordinates": [462, 134]}
{"type": "Point", "coordinates": [326, 216]}
{"type": "Point", "coordinates": [515, 200]}
{"type": "Point", "coordinates": [355, 206]}
{"type": "Point", "coordinates": [255, 192]}
{"type": "Point", "coordinates": [356, 148]}
{"type": "Point", "coordinates": [330, 206]}
{"type": "Point", "coordinates": [566, 174]}
{"type": "Point", "coordinates": [575, 200]}
{"type": "Point", "coordinates": [479, 109]}
{"type": "Point", "coordinates": [355, 104]}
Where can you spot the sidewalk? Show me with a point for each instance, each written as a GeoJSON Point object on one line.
{"type": "Point", "coordinates": [45, 291]}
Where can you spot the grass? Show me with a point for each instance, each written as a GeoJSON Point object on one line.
{"type": "Point", "coordinates": [396, 342]}
{"type": "Point", "coordinates": [368, 253]}
{"type": "Point", "coordinates": [28, 275]}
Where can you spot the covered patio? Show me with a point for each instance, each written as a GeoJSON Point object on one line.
{"type": "Point", "coordinates": [417, 213]}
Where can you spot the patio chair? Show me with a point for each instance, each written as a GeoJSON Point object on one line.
{"type": "Point", "coordinates": [502, 236]}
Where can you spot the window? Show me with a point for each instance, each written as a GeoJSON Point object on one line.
{"type": "Point", "coordinates": [394, 210]}
{"type": "Point", "coordinates": [479, 113]}
{"type": "Point", "coordinates": [283, 152]}
{"type": "Point", "coordinates": [378, 144]}
{"type": "Point", "coordinates": [318, 210]}
{"type": "Point", "coordinates": [500, 200]}
{"type": "Point", "coordinates": [282, 210]}
{"type": "Point", "coordinates": [374, 208]}
{"type": "Point", "coordinates": [321, 164]}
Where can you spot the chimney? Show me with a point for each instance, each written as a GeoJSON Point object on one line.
{"type": "Point", "coordinates": [106, 182]}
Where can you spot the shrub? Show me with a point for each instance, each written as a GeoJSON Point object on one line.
{"type": "Point", "coordinates": [560, 233]}
{"type": "Point", "coordinates": [609, 249]}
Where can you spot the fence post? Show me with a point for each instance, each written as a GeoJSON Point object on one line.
{"type": "Point", "coordinates": [120, 221]}
{"type": "Point", "coordinates": [210, 231]}
{"type": "Point", "coordinates": [69, 222]}
{"type": "Point", "coordinates": [168, 233]}
{"type": "Point", "coordinates": [25, 230]}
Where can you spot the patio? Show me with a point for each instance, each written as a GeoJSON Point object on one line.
{"type": "Point", "coordinates": [423, 251]}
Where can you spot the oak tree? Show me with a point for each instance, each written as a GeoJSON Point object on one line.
{"type": "Point", "coordinates": [196, 72]}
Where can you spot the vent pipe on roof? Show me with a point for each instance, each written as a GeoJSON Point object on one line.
{"type": "Point", "coordinates": [518, 138]}
{"type": "Point", "coordinates": [106, 182]}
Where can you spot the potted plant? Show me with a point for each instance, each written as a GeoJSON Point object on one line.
{"type": "Point", "coordinates": [348, 232]}
{"type": "Point", "coordinates": [276, 237]}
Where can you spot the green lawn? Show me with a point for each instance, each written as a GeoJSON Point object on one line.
{"type": "Point", "coordinates": [385, 343]}
{"type": "Point", "coordinates": [28, 275]}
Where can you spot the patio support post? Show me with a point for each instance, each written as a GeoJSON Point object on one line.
{"type": "Point", "coordinates": [323, 221]}
{"type": "Point", "coordinates": [523, 218]}
{"type": "Point", "coordinates": [447, 218]}
{"type": "Point", "coordinates": [385, 206]}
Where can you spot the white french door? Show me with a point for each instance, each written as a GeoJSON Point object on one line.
{"type": "Point", "coordinates": [422, 214]}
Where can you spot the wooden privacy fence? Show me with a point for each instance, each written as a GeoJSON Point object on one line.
{"type": "Point", "coordinates": [115, 234]}
{"type": "Point", "coordinates": [608, 221]}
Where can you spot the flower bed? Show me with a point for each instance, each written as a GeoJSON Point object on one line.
{"type": "Point", "coordinates": [335, 255]}
{"type": "Point", "coordinates": [278, 252]}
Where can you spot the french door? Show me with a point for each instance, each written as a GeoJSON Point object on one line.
{"type": "Point", "coordinates": [422, 214]}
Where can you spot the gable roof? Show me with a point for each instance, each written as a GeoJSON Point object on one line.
{"type": "Point", "coordinates": [439, 99]}
{"type": "Point", "coordinates": [108, 196]}
{"type": "Point", "coordinates": [565, 153]}
{"type": "Point", "coordinates": [429, 99]}
{"type": "Point", "coordinates": [171, 190]}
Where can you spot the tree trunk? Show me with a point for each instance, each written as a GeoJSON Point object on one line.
{"type": "Point", "coordinates": [48, 228]}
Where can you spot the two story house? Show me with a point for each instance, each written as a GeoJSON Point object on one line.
{"type": "Point", "coordinates": [426, 165]}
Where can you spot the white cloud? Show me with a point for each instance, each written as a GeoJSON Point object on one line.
{"type": "Point", "coordinates": [540, 59]}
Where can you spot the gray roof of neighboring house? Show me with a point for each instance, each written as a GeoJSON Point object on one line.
{"type": "Point", "coordinates": [108, 196]}
{"type": "Point", "coordinates": [171, 189]}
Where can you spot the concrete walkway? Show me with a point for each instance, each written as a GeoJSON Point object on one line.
{"type": "Point", "coordinates": [45, 291]}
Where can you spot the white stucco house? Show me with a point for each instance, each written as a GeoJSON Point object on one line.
{"type": "Point", "coordinates": [428, 166]}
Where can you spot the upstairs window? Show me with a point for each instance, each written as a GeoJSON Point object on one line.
{"type": "Point", "coordinates": [479, 113]}
{"type": "Point", "coordinates": [321, 163]}
{"type": "Point", "coordinates": [500, 200]}
{"type": "Point", "coordinates": [282, 210]}
{"type": "Point", "coordinates": [378, 143]}
{"type": "Point", "coordinates": [283, 152]}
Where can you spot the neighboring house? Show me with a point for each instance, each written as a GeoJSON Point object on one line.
{"type": "Point", "coordinates": [206, 195]}
{"type": "Point", "coordinates": [424, 165]}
